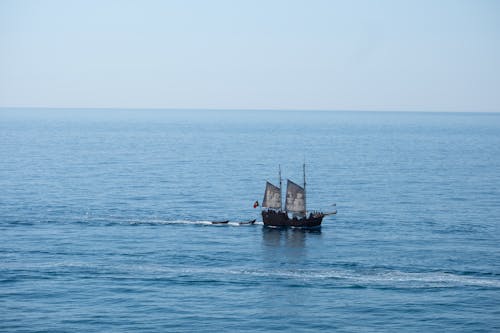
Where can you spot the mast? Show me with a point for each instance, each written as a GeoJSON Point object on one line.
{"type": "Point", "coordinates": [304, 169]}
{"type": "Point", "coordinates": [281, 191]}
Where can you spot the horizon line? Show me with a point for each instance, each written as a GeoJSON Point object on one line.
{"type": "Point", "coordinates": [237, 109]}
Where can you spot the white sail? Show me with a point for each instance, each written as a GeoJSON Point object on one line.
{"type": "Point", "coordinates": [295, 196]}
{"type": "Point", "coordinates": [272, 197]}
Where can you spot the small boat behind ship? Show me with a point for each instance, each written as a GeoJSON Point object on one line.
{"type": "Point", "coordinates": [227, 222]}
{"type": "Point", "coordinates": [295, 205]}
{"type": "Point", "coordinates": [220, 222]}
{"type": "Point", "coordinates": [248, 222]}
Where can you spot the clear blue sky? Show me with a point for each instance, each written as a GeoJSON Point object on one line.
{"type": "Point", "coordinates": [334, 55]}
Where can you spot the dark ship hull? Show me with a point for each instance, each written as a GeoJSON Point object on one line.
{"type": "Point", "coordinates": [280, 219]}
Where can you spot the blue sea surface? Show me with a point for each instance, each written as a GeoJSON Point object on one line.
{"type": "Point", "coordinates": [105, 221]}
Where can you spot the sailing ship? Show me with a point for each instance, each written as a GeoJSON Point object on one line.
{"type": "Point", "coordinates": [274, 215]}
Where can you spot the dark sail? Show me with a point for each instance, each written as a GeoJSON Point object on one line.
{"type": "Point", "coordinates": [295, 196]}
{"type": "Point", "coordinates": [272, 197]}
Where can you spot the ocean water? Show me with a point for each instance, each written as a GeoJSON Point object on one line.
{"type": "Point", "coordinates": [105, 221]}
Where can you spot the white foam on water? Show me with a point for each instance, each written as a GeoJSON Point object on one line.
{"type": "Point", "coordinates": [392, 278]}
{"type": "Point", "coordinates": [389, 277]}
{"type": "Point", "coordinates": [190, 222]}
{"type": "Point", "coordinates": [167, 222]}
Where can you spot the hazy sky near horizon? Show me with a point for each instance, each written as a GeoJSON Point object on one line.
{"type": "Point", "coordinates": [417, 55]}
